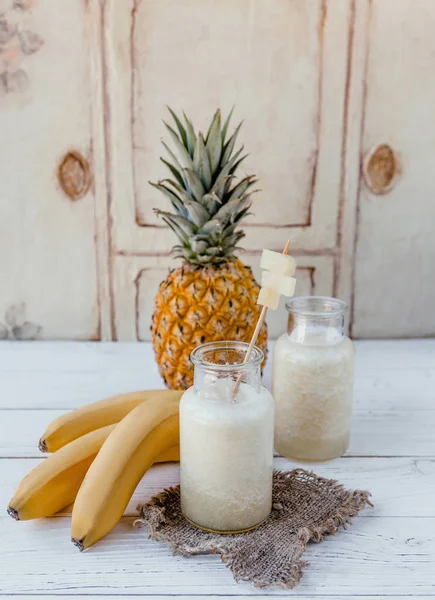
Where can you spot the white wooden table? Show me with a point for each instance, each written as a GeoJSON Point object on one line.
{"type": "Point", "coordinates": [388, 552]}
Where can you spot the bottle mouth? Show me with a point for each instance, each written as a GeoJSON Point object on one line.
{"type": "Point", "coordinates": [316, 306]}
{"type": "Point", "coordinates": [226, 356]}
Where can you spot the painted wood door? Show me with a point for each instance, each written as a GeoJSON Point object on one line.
{"type": "Point", "coordinates": [283, 65]}
{"type": "Point", "coordinates": [394, 291]}
{"type": "Point", "coordinates": [47, 177]}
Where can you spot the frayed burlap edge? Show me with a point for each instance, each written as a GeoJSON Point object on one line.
{"type": "Point", "coordinates": [152, 515]}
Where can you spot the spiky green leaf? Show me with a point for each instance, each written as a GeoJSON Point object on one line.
{"type": "Point", "coordinates": [174, 171]}
{"type": "Point", "coordinates": [185, 196]}
{"type": "Point", "coordinates": [214, 142]}
{"type": "Point", "coordinates": [177, 221]}
{"type": "Point", "coordinates": [191, 136]}
{"type": "Point", "coordinates": [173, 198]}
{"type": "Point", "coordinates": [172, 156]}
{"type": "Point", "coordinates": [179, 125]}
{"type": "Point", "coordinates": [239, 189]}
{"type": "Point", "coordinates": [212, 227]}
{"type": "Point", "coordinates": [226, 124]}
{"type": "Point", "coordinates": [211, 203]}
{"type": "Point", "coordinates": [230, 208]}
{"type": "Point", "coordinates": [186, 159]}
{"type": "Point", "coordinates": [199, 246]}
{"type": "Point", "coordinates": [216, 251]}
{"type": "Point", "coordinates": [237, 164]}
{"type": "Point", "coordinates": [225, 172]}
{"type": "Point", "coordinates": [197, 213]}
{"type": "Point", "coordinates": [194, 183]}
{"type": "Point", "coordinates": [201, 162]}
{"type": "Point", "coordinates": [229, 146]}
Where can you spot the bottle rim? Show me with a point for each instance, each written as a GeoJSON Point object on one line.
{"type": "Point", "coordinates": [200, 356]}
{"type": "Point", "coordinates": [316, 306]}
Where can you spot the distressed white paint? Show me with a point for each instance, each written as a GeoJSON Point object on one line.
{"type": "Point", "coordinates": [389, 551]}
{"type": "Point", "coordinates": [263, 92]}
{"type": "Point", "coordinates": [394, 284]}
{"type": "Point", "coordinates": [101, 187]}
{"type": "Point", "coordinates": [47, 254]}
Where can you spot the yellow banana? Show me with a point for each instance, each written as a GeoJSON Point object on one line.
{"type": "Point", "coordinates": [54, 483]}
{"type": "Point", "coordinates": [172, 455]}
{"type": "Point", "coordinates": [145, 433]}
{"type": "Point", "coordinates": [93, 416]}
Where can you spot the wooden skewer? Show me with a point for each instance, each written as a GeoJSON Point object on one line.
{"type": "Point", "coordinates": [254, 337]}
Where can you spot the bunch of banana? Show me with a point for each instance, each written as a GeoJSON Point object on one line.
{"type": "Point", "coordinates": [101, 452]}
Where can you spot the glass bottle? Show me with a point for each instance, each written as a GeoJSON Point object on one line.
{"type": "Point", "coordinates": [226, 442]}
{"type": "Point", "coordinates": [312, 381]}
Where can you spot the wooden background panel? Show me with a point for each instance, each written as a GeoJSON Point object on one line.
{"type": "Point", "coordinates": [289, 86]}
{"type": "Point", "coordinates": [259, 56]}
{"type": "Point", "coordinates": [47, 257]}
{"type": "Point", "coordinates": [394, 291]}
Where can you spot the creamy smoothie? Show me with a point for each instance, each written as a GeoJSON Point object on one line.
{"type": "Point", "coordinates": [313, 371]}
{"type": "Point", "coordinates": [226, 455]}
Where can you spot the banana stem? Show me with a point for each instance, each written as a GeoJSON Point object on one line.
{"type": "Point", "coordinates": [12, 512]}
{"type": "Point", "coordinates": [78, 543]}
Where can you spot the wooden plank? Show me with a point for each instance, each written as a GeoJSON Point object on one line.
{"type": "Point", "coordinates": [400, 487]}
{"type": "Point", "coordinates": [378, 355]}
{"type": "Point", "coordinates": [374, 432]}
{"type": "Point", "coordinates": [68, 375]}
{"type": "Point", "coordinates": [377, 389]}
{"type": "Point", "coordinates": [243, 593]}
{"type": "Point", "coordinates": [373, 556]}
{"type": "Point", "coordinates": [389, 375]}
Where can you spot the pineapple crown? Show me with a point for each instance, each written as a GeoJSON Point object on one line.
{"type": "Point", "coordinates": [208, 203]}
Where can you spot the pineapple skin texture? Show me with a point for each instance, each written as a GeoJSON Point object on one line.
{"type": "Point", "coordinates": [195, 305]}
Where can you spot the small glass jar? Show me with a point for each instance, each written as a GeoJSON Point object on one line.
{"type": "Point", "coordinates": [312, 383]}
{"type": "Point", "coordinates": [226, 442]}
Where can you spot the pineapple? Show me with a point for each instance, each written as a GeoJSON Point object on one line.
{"type": "Point", "coordinates": [212, 296]}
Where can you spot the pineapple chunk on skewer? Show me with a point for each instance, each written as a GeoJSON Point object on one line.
{"type": "Point", "coordinates": [279, 264]}
{"type": "Point", "coordinates": [276, 280]}
{"type": "Point", "coordinates": [283, 284]}
{"type": "Point", "coordinates": [269, 297]}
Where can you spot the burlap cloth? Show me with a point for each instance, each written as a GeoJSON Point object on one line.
{"type": "Point", "coordinates": [305, 508]}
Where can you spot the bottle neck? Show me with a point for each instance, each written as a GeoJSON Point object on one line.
{"type": "Point", "coordinates": [215, 384]}
{"type": "Point", "coordinates": [315, 330]}
{"type": "Point", "coordinates": [219, 366]}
